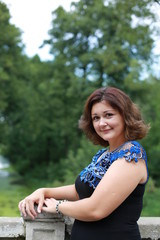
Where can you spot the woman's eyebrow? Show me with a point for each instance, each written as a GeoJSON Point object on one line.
{"type": "Point", "coordinates": [110, 110]}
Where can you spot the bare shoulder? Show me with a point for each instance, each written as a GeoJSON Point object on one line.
{"type": "Point", "coordinates": [136, 170]}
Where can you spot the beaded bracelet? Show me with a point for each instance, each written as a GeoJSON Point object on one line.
{"type": "Point", "coordinates": [57, 206]}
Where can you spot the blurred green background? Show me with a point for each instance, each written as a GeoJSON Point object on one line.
{"type": "Point", "coordinates": [97, 43]}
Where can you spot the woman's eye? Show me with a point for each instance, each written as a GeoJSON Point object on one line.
{"type": "Point", "coordinates": [108, 115]}
{"type": "Point", "coordinates": [95, 118]}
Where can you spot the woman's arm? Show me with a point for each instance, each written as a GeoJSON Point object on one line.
{"type": "Point", "coordinates": [26, 206]}
{"type": "Point", "coordinates": [65, 192]}
{"type": "Point", "coordinates": [119, 181]}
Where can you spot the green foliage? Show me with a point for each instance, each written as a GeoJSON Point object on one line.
{"type": "Point", "coordinates": [96, 43]}
{"type": "Point", "coordinates": [8, 204]}
{"type": "Point", "coordinates": [150, 202]}
{"type": "Point", "coordinates": [152, 143]}
{"type": "Point", "coordinates": [10, 57]}
{"type": "Point", "coordinates": [11, 194]}
{"type": "Point", "coordinates": [100, 40]}
{"type": "Point", "coordinates": [71, 166]}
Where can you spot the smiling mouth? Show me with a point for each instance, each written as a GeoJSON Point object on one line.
{"type": "Point", "coordinates": [105, 131]}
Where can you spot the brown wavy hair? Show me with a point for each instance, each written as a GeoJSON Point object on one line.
{"type": "Point", "coordinates": [135, 127]}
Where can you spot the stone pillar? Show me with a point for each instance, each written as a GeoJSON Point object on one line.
{"type": "Point", "coordinates": [45, 226]}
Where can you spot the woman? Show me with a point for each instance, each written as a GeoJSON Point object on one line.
{"type": "Point", "coordinates": [106, 199]}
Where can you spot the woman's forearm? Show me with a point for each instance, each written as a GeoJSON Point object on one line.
{"type": "Point", "coordinates": [83, 210]}
{"type": "Point", "coordinates": [66, 192]}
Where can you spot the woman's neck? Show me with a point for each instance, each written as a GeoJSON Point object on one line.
{"type": "Point", "coordinates": [114, 145]}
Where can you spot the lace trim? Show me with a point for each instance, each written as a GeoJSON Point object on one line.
{"type": "Point", "coordinates": [94, 172]}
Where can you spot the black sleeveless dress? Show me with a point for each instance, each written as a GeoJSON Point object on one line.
{"type": "Point", "coordinates": [121, 224]}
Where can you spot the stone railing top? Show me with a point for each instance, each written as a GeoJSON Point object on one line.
{"type": "Point", "coordinates": [149, 221]}
{"type": "Point", "coordinates": [12, 227]}
{"type": "Point", "coordinates": [51, 226]}
{"type": "Point", "coordinates": [150, 227]}
{"type": "Point", "coordinates": [44, 216]}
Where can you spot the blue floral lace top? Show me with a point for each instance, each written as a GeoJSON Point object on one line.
{"type": "Point", "coordinates": [93, 173]}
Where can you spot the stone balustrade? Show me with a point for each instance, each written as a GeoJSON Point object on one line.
{"type": "Point", "coordinates": [52, 227]}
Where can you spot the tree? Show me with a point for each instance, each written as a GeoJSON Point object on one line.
{"type": "Point", "coordinates": [151, 109]}
{"type": "Point", "coordinates": [97, 43]}
{"type": "Point", "coordinates": [99, 40]}
{"type": "Point", "coordinates": [10, 60]}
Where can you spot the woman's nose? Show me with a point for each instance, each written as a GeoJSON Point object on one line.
{"type": "Point", "coordinates": [102, 122]}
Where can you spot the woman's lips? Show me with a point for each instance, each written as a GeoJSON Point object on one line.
{"type": "Point", "coordinates": [105, 131]}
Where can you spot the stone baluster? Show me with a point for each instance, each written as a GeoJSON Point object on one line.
{"type": "Point", "coordinates": [45, 226]}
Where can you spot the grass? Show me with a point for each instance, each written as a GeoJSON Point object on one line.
{"type": "Point", "coordinates": [9, 204]}
{"type": "Point", "coordinates": [10, 195]}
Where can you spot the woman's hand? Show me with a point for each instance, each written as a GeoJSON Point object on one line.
{"type": "Point", "coordinates": [50, 205]}
{"type": "Point", "coordinates": [26, 206]}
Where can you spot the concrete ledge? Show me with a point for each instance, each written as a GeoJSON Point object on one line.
{"type": "Point", "coordinates": [12, 227]}
{"type": "Point", "coordinates": [51, 226]}
{"type": "Point", "coordinates": [44, 216]}
{"type": "Point", "coordinates": [149, 227]}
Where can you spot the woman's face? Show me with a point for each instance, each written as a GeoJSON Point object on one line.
{"type": "Point", "coordinates": [108, 123]}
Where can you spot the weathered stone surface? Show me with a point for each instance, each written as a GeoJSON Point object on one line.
{"type": "Point", "coordinates": [45, 230]}
{"type": "Point", "coordinates": [45, 226]}
{"type": "Point", "coordinates": [11, 227]}
{"type": "Point", "coordinates": [150, 227]}
{"type": "Point", "coordinates": [52, 227]}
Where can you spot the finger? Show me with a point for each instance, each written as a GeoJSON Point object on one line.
{"type": "Point", "coordinates": [31, 212]}
{"type": "Point", "coordinates": [45, 209]}
{"type": "Point", "coordinates": [48, 201]}
{"type": "Point", "coordinates": [45, 203]}
{"type": "Point", "coordinates": [20, 205]}
{"type": "Point", "coordinates": [40, 205]}
{"type": "Point", "coordinates": [23, 208]}
{"type": "Point", "coordinates": [30, 209]}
